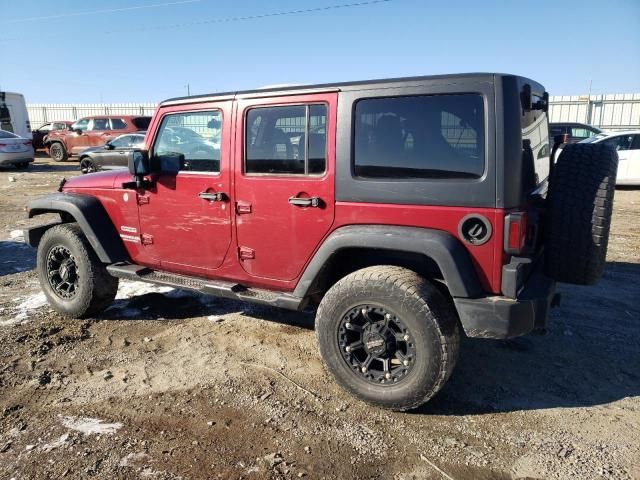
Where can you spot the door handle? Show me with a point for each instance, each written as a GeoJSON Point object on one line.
{"type": "Point", "coordinates": [212, 197]}
{"type": "Point", "coordinates": [305, 202]}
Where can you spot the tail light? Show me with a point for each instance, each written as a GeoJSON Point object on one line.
{"type": "Point", "coordinates": [515, 232]}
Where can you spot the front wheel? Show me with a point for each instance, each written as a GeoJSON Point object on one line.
{"type": "Point", "coordinates": [87, 165]}
{"type": "Point", "coordinates": [388, 336]}
{"type": "Point", "coordinates": [57, 152]}
{"type": "Point", "coordinates": [72, 277]}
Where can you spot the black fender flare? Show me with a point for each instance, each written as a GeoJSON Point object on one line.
{"type": "Point", "coordinates": [444, 249]}
{"type": "Point", "coordinates": [91, 217]}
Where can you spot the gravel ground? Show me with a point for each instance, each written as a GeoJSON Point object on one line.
{"type": "Point", "coordinates": [168, 384]}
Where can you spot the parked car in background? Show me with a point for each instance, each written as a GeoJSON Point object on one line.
{"type": "Point", "coordinates": [13, 114]}
{"type": "Point", "coordinates": [576, 132]}
{"type": "Point", "coordinates": [91, 132]}
{"type": "Point", "coordinates": [110, 155]}
{"type": "Point", "coordinates": [39, 134]}
{"type": "Point", "coordinates": [15, 150]}
{"type": "Point", "coordinates": [627, 143]}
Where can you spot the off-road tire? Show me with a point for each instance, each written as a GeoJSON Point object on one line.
{"type": "Point", "coordinates": [430, 320]}
{"type": "Point", "coordinates": [57, 152]}
{"type": "Point", "coordinates": [96, 288]}
{"type": "Point", "coordinates": [88, 165]}
{"type": "Point", "coordinates": [580, 203]}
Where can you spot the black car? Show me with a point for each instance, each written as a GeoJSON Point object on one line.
{"type": "Point", "coordinates": [110, 155]}
{"type": "Point", "coordinates": [576, 131]}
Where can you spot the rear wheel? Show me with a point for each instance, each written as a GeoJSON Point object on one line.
{"type": "Point", "coordinates": [388, 336]}
{"type": "Point", "coordinates": [57, 152]}
{"type": "Point", "coordinates": [87, 165]}
{"type": "Point", "coordinates": [72, 277]}
{"type": "Point", "coordinates": [580, 204]}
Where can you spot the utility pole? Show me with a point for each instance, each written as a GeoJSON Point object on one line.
{"type": "Point", "coordinates": [188, 89]}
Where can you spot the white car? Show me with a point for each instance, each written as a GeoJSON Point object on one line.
{"type": "Point", "coordinates": [627, 143]}
{"type": "Point", "coordinates": [15, 150]}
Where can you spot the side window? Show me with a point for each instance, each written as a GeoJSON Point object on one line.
{"type": "Point", "coordinates": [101, 124]}
{"type": "Point", "coordinates": [436, 136]}
{"type": "Point", "coordinates": [82, 124]}
{"type": "Point", "coordinates": [121, 142]}
{"type": "Point", "coordinates": [118, 124]}
{"type": "Point", "coordinates": [136, 141]}
{"type": "Point", "coordinates": [287, 140]}
{"type": "Point", "coordinates": [46, 128]}
{"type": "Point", "coordinates": [579, 132]}
{"type": "Point", "coordinates": [59, 126]}
{"type": "Point", "coordinates": [196, 135]}
{"type": "Point", "coordinates": [620, 143]}
{"type": "Point", "coordinates": [553, 131]}
{"type": "Point", "coordinates": [636, 143]}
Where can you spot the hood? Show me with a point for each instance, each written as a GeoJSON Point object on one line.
{"type": "Point", "coordinates": [109, 179]}
{"type": "Point", "coordinates": [91, 149]}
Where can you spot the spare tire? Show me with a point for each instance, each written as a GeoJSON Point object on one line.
{"type": "Point", "coordinates": [579, 207]}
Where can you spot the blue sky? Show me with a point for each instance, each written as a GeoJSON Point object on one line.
{"type": "Point", "coordinates": [79, 51]}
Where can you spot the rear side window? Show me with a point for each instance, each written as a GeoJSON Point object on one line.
{"type": "Point", "coordinates": [142, 123]}
{"type": "Point", "coordinates": [101, 124]}
{"type": "Point", "coordinates": [289, 140]}
{"type": "Point", "coordinates": [434, 136]}
{"type": "Point", "coordinates": [118, 124]}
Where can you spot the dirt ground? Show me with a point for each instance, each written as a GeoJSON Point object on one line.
{"type": "Point", "coordinates": [167, 384]}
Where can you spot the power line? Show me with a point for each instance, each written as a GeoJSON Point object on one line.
{"type": "Point", "coordinates": [93, 12]}
{"type": "Point", "coordinates": [266, 15]}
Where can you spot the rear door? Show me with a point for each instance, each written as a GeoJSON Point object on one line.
{"type": "Point", "coordinates": [284, 181]}
{"type": "Point", "coordinates": [100, 132]}
{"type": "Point", "coordinates": [185, 219]}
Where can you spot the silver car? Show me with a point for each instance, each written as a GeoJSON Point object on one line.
{"type": "Point", "coordinates": [15, 150]}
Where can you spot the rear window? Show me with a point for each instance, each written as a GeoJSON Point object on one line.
{"type": "Point", "coordinates": [118, 124]}
{"type": "Point", "coordinates": [431, 136]}
{"type": "Point", "coordinates": [142, 123]}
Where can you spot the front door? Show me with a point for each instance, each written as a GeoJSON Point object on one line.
{"type": "Point", "coordinates": [284, 168]}
{"type": "Point", "coordinates": [185, 219]}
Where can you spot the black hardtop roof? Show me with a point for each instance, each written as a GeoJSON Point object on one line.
{"type": "Point", "coordinates": [354, 85]}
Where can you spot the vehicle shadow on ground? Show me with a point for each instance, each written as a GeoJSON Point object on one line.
{"type": "Point", "coordinates": [588, 357]}
{"type": "Point", "coordinates": [16, 257]}
{"type": "Point", "coordinates": [70, 166]}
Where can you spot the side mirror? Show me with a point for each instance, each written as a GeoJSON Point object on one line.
{"type": "Point", "coordinates": [78, 131]}
{"type": "Point", "coordinates": [108, 146]}
{"type": "Point", "coordinates": [138, 162]}
{"type": "Point", "coordinates": [168, 164]}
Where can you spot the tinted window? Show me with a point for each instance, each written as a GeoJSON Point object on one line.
{"type": "Point", "coordinates": [101, 124]}
{"type": "Point", "coordinates": [286, 140]}
{"type": "Point", "coordinates": [636, 143]}
{"type": "Point", "coordinates": [557, 131]}
{"type": "Point", "coordinates": [141, 123]}
{"type": "Point", "coordinates": [118, 124]}
{"type": "Point", "coordinates": [620, 143]}
{"type": "Point", "coordinates": [121, 142]}
{"type": "Point", "coordinates": [196, 135]}
{"type": "Point", "coordinates": [438, 136]}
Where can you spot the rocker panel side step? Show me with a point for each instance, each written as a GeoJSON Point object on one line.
{"type": "Point", "coordinates": [216, 288]}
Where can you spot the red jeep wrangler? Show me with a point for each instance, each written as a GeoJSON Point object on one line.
{"type": "Point", "coordinates": [407, 211]}
{"type": "Point", "coordinates": [91, 132]}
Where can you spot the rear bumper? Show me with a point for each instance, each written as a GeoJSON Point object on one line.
{"type": "Point", "coordinates": [504, 317]}
{"type": "Point", "coordinates": [18, 157]}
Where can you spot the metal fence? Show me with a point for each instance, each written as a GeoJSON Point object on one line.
{"type": "Point", "coordinates": [40, 113]}
{"type": "Point", "coordinates": [609, 112]}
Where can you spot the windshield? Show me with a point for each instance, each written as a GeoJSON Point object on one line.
{"type": "Point", "coordinates": [595, 138]}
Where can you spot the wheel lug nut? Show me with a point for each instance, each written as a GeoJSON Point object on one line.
{"type": "Point", "coordinates": [406, 337]}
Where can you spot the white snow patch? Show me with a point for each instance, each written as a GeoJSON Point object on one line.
{"type": "Point", "coordinates": [47, 447]}
{"type": "Point", "coordinates": [17, 235]}
{"type": "Point", "coordinates": [130, 288]}
{"type": "Point", "coordinates": [24, 307]}
{"type": "Point", "coordinates": [90, 426]}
